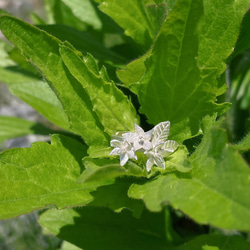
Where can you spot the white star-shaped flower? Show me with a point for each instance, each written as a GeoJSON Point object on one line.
{"type": "Point", "coordinates": [157, 154]}
{"type": "Point", "coordinates": [139, 139]}
{"type": "Point", "coordinates": [153, 144]}
{"type": "Point", "coordinates": [124, 149]}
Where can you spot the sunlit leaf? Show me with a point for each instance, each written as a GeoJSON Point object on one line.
{"type": "Point", "coordinates": [214, 192]}
{"type": "Point", "coordinates": [135, 19]}
{"type": "Point", "coordinates": [85, 11]}
{"type": "Point", "coordinates": [114, 110]}
{"type": "Point", "coordinates": [174, 86]}
{"type": "Point", "coordinates": [101, 169]}
{"type": "Point", "coordinates": [73, 97]}
{"type": "Point", "coordinates": [47, 179]}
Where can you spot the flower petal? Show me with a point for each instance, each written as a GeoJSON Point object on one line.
{"type": "Point", "coordinates": [131, 155]}
{"type": "Point", "coordinates": [159, 161]}
{"type": "Point", "coordinates": [123, 159]}
{"type": "Point", "coordinates": [170, 145]}
{"type": "Point", "coordinates": [129, 137]}
{"type": "Point", "coordinates": [149, 164]}
{"type": "Point", "coordinates": [115, 143]}
{"type": "Point", "coordinates": [138, 130]}
{"type": "Point", "coordinates": [160, 133]}
{"type": "Point", "coordinates": [115, 151]}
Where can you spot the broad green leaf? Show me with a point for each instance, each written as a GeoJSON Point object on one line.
{"type": "Point", "coordinates": [73, 97]}
{"type": "Point", "coordinates": [113, 108]}
{"type": "Point", "coordinates": [134, 19]}
{"type": "Point", "coordinates": [173, 87]}
{"type": "Point", "coordinates": [85, 42]}
{"type": "Point", "coordinates": [101, 169]}
{"type": "Point", "coordinates": [156, 16]}
{"type": "Point", "coordinates": [85, 11]}
{"type": "Point", "coordinates": [115, 196]}
{"type": "Point", "coordinates": [215, 191]}
{"type": "Point", "coordinates": [43, 176]}
{"type": "Point", "coordinates": [218, 32]}
{"type": "Point", "coordinates": [213, 242]}
{"type": "Point", "coordinates": [170, 4]}
{"type": "Point", "coordinates": [11, 127]}
{"type": "Point", "coordinates": [100, 228]}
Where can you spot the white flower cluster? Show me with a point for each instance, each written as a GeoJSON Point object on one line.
{"type": "Point", "coordinates": [153, 144]}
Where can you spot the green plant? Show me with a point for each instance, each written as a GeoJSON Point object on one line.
{"type": "Point", "coordinates": [169, 60]}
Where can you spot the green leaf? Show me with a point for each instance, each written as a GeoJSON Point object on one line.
{"type": "Point", "coordinates": [170, 4]}
{"type": "Point", "coordinates": [101, 228]}
{"type": "Point", "coordinates": [4, 56]}
{"type": "Point", "coordinates": [134, 19]}
{"type": "Point", "coordinates": [23, 64]}
{"type": "Point", "coordinates": [59, 13]}
{"type": "Point", "coordinates": [102, 169]}
{"type": "Point", "coordinates": [244, 144]}
{"type": "Point", "coordinates": [115, 196]}
{"type": "Point", "coordinates": [113, 108]}
{"type": "Point", "coordinates": [41, 97]}
{"type": "Point", "coordinates": [220, 242]}
{"type": "Point", "coordinates": [85, 42]}
{"type": "Point", "coordinates": [11, 127]}
{"type": "Point", "coordinates": [215, 191]}
{"type": "Point", "coordinates": [36, 19]}
{"type": "Point", "coordinates": [11, 75]}
{"type": "Point", "coordinates": [218, 32]}
{"type": "Point", "coordinates": [244, 37]}
{"type": "Point", "coordinates": [156, 16]}
{"type": "Point", "coordinates": [173, 84]}
{"type": "Point", "coordinates": [43, 176]}
{"type": "Point", "coordinates": [46, 57]}
{"type": "Point", "coordinates": [178, 161]}
{"type": "Point", "coordinates": [68, 246]}
{"type": "Point", "coordinates": [133, 73]}
{"type": "Point", "coordinates": [36, 93]}
{"type": "Point", "coordinates": [85, 11]}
